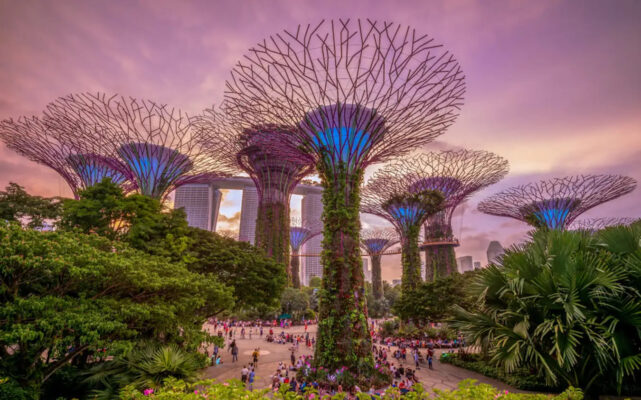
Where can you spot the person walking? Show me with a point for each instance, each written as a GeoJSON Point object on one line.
{"type": "Point", "coordinates": [252, 376]}
{"type": "Point", "coordinates": [244, 373]}
{"type": "Point", "coordinates": [416, 359]}
{"type": "Point", "coordinates": [234, 351]}
{"type": "Point", "coordinates": [255, 355]}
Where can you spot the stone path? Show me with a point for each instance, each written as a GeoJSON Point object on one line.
{"type": "Point", "coordinates": [443, 376]}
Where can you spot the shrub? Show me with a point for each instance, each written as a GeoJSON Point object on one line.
{"type": "Point", "coordinates": [467, 390]}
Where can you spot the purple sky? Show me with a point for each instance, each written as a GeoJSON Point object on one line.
{"type": "Point", "coordinates": [553, 86]}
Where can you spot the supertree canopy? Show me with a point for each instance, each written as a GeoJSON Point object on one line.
{"type": "Point", "coordinates": [41, 140]}
{"type": "Point", "coordinates": [390, 194]}
{"type": "Point", "coordinates": [156, 144]}
{"type": "Point", "coordinates": [275, 175]}
{"type": "Point", "coordinates": [456, 175]}
{"type": "Point", "coordinates": [596, 224]}
{"type": "Point", "coordinates": [298, 236]}
{"type": "Point", "coordinates": [360, 92]}
{"type": "Point", "coordinates": [375, 242]}
{"type": "Point", "coordinates": [556, 203]}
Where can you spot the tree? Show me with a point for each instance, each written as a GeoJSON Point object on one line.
{"type": "Point", "coordinates": [257, 279]}
{"type": "Point", "coordinates": [19, 206]}
{"type": "Point", "coordinates": [294, 302]}
{"type": "Point", "coordinates": [64, 295]}
{"type": "Point", "coordinates": [567, 305]}
{"type": "Point", "coordinates": [142, 223]}
{"type": "Point", "coordinates": [433, 301]}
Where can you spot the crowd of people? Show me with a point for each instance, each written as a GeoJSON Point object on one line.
{"type": "Point", "coordinates": [403, 357]}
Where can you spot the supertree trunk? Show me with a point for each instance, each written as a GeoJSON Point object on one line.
{"type": "Point", "coordinates": [410, 259]}
{"type": "Point", "coordinates": [431, 263]}
{"type": "Point", "coordinates": [272, 231]}
{"type": "Point", "coordinates": [441, 261]}
{"type": "Point", "coordinates": [377, 279]}
{"type": "Point", "coordinates": [343, 335]}
{"type": "Point", "coordinates": [295, 269]}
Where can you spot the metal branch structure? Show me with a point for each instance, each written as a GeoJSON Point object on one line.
{"type": "Point", "coordinates": [556, 203]}
{"type": "Point", "coordinates": [41, 141]}
{"type": "Point", "coordinates": [456, 174]}
{"type": "Point", "coordinates": [596, 224]}
{"type": "Point", "coordinates": [375, 242]}
{"type": "Point", "coordinates": [155, 143]}
{"type": "Point", "coordinates": [298, 236]}
{"type": "Point", "coordinates": [359, 92]}
{"type": "Point", "coordinates": [392, 194]}
{"type": "Point", "coordinates": [275, 176]}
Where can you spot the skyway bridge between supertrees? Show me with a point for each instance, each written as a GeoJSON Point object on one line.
{"type": "Point", "coordinates": [359, 92]}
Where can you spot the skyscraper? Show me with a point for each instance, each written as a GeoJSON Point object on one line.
{"type": "Point", "coordinates": [249, 211]}
{"type": "Point", "coordinates": [477, 265]}
{"type": "Point", "coordinates": [494, 251]}
{"type": "Point", "coordinates": [465, 264]}
{"type": "Point", "coordinates": [200, 202]}
{"type": "Point", "coordinates": [311, 211]}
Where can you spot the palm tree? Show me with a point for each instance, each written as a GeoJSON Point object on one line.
{"type": "Point", "coordinates": [145, 367]}
{"type": "Point", "coordinates": [565, 304]}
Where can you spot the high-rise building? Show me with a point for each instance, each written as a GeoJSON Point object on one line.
{"type": "Point", "coordinates": [396, 282]}
{"type": "Point", "coordinates": [248, 213]}
{"type": "Point", "coordinates": [465, 263]}
{"type": "Point", "coordinates": [494, 251]}
{"type": "Point", "coordinates": [477, 265]}
{"type": "Point", "coordinates": [311, 211]}
{"type": "Point", "coordinates": [200, 202]}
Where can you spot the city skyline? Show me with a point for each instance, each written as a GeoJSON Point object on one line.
{"type": "Point", "coordinates": [541, 88]}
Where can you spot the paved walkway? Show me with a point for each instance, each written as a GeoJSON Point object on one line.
{"type": "Point", "coordinates": [443, 376]}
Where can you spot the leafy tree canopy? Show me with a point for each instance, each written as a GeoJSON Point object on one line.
{"type": "Point", "coordinates": [17, 205]}
{"type": "Point", "coordinates": [64, 295]}
{"type": "Point", "coordinates": [433, 301]}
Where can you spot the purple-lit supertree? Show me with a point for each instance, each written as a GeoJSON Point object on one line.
{"type": "Point", "coordinates": [157, 144]}
{"type": "Point", "coordinates": [360, 92]}
{"type": "Point", "coordinates": [555, 203]}
{"type": "Point", "coordinates": [456, 175]}
{"type": "Point", "coordinates": [596, 224]}
{"type": "Point", "coordinates": [275, 175]}
{"type": "Point", "coordinates": [41, 141]}
{"type": "Point", "coordinates": [391, 194]}
{"type": "Point", "coordinates": [375, 242]}
{"type": "Point", "coordinates": [299, 234]}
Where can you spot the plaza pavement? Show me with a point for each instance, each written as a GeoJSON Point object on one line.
{"type": "Point", "coordinates": [443, 376]}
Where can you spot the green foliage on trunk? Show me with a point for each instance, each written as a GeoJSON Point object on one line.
{"type": "Point", "coordinates": [295, 270]}
{"type": "Point", "coordinates": [343, 337]}
{"type": "Point", "coordinates": [377, 278]}
{"type": "Point", "coordinates": [440, 262]}
{"type": "Point", "coordinates": [410, 258]}
{"type": "Point", "coordinates": [272, 232]}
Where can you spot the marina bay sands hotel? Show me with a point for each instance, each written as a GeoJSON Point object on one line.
{"type": "Point", "coordinates": [201, 203]}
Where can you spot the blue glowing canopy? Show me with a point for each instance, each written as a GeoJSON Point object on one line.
{"type": "Point", "coordinates": [155, 168]}
{"type": "Point", "coordinates": [93, 168]}
{"type": "Point", "coordinates": [345, 133]}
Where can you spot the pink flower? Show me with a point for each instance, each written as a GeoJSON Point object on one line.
{"type": "Point", "coordinates": [226, 384]}
{"type": "Point", "coordinates": [148, 392]}
{"type": "Point", "coordinates": [312, 395]}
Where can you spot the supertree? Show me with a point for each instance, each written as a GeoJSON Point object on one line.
{"type": "Point", "coordinates": [375, 242]}
{"type": "Point", "coordinates": [456, 174]}
{"type": "Point", "coordinates": [275, 175]}
{"type": "Point", "coordinates": [360, 92]}
{"type": "Point", "coordinates": [391, 194]}
{"type": "Point", "coordinates": [41, 140]}
{"type": "Point", "coordinates": [156, 144]}
{"type": "Point", "coordinates": [596, 224]}
{"type": "Point", "coordinates": [555, 203]}
{"type": "Point", "coordinates": [299, 234]}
